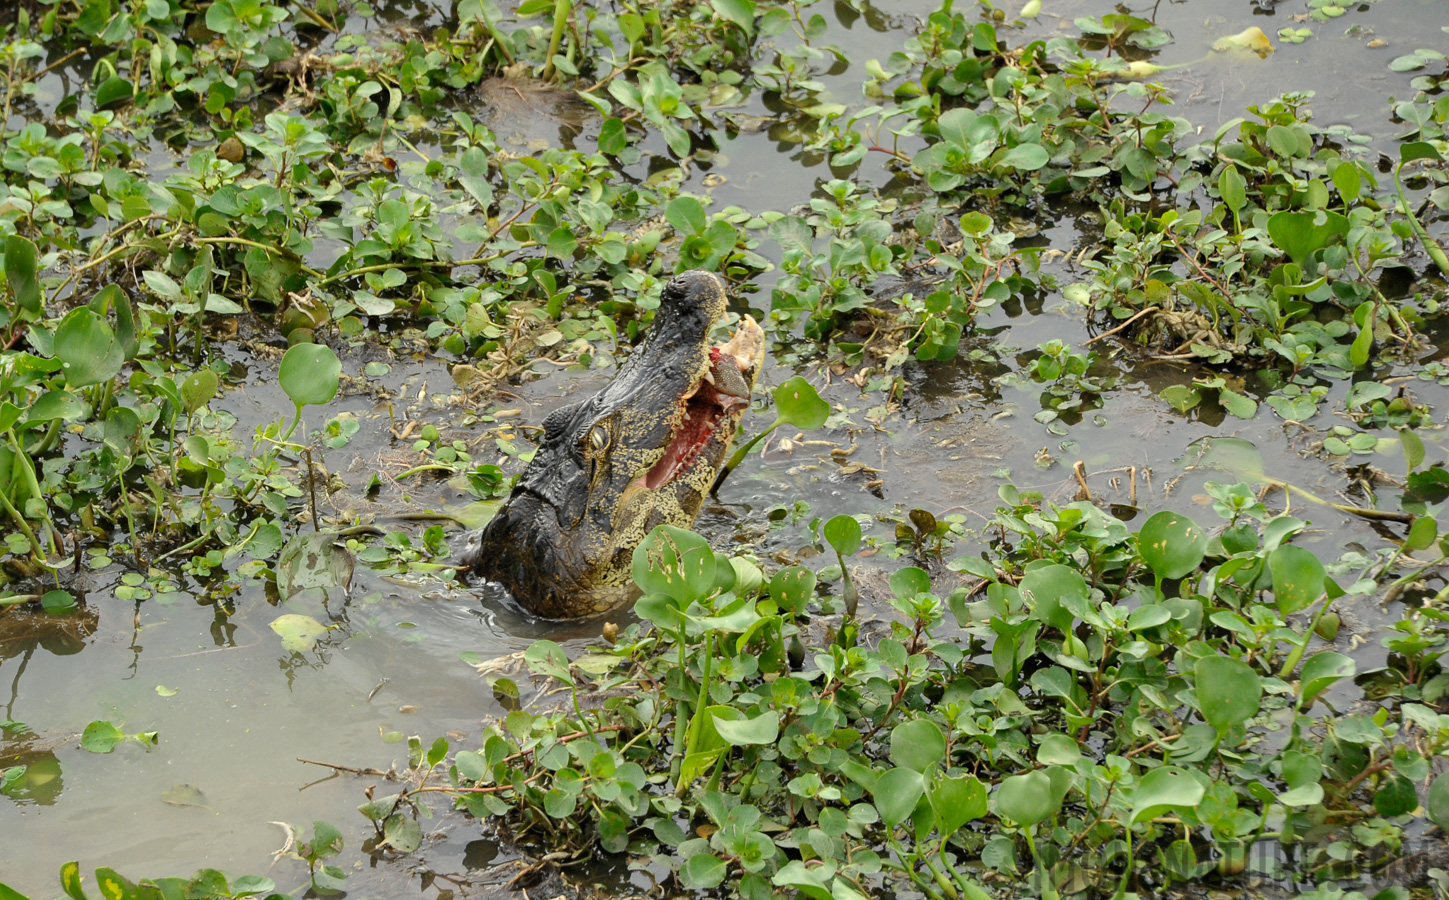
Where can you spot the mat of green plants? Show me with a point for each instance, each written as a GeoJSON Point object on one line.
{"type": "Point", "coordinates": [1089, 547]}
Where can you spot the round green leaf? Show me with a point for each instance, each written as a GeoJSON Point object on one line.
{"type": "Point", "coordinates": [1297, 578]}
{"type": "Point", "coordinates": [896, 794]}
{"type": "Point", "coordinates": [909, 581]}
{"type": "Point", "coordinates": [1437, 804]}
{"type": "Point", "coordinates": [918, 744]}
{"type": "Point", "coordinates": [702, 871]}
{"type": "Point", "coordinates": [87, 348]}
{"type": "Point", "coordinates": [842, 533]}
{"type": "Point", "coordinates": [1053, 593]}
{"type": "Point", "coordinates": [1228, 691]}
{"type": "Point", "coordinates": [1396, 797]}
{"type": "Point", "coordinates": [792, 587]}
{"type": "Point", "coordinates": [310, 374]}
{"type": "Point", "coordinates": [198, 389]}
{"type": "Point", "coordinates": [101, 737]}
{"type": "Point", "coordinates": [1026, 799]}
{"type": "Point", "coordinates": [1058, 749]}
{"type": "Point", "coordinates": [956, 801]}
{"type": "Point", "coordinates": [1171, 544]}
{"type": "Point", "coordinates": [1162, 789]}
{"type": "Point", "coordinates": [797, 403]}
{"type": "Point", "coordinates": [676, 563]}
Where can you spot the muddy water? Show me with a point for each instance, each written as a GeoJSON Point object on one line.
{"type": "Point", "coordinates": [235, 713]}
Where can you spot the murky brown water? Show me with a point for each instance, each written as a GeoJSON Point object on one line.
{"type": "Point", "coordinates": [235, 712]}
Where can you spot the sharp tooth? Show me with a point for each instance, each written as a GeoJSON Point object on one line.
{"type": "Point", "coordinates": [709, 374]}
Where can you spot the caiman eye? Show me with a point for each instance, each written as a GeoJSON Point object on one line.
{"type": "Point", "coordinates": [599, 437]}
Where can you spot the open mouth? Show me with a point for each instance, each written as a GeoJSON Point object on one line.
{"type": "Point", "coordinates": [723, 390]}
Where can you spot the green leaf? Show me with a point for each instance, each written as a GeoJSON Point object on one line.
{"type": "Point", "coordinates": [918, 744]}
{"type": "Point", "coordinates": [298, 632]}
{"type": "Point", "coordinates": [1437, 803]}
{"type": "Point", "coordinates": [70, 877]}
{"type": "Point", "coordinates": [9, 893]}
{"type": "Point", "coordinates": [896, 794]}
{"type": "Point", "coordinates": [1162, 789]}
{"type": "Point", "coordinates": [1025, 157]}
{"type": "Point", "coordinates": [613, 136]}
{"type": "Point", "coordinates": [1054, 594]}
{"type": "Point", "coordinates": [1027, 799]}
{"type": "Point", "coordinates": [1300, 233]}
{"type": "Point", "coordinates": [792, 587]}
{"type": "Point", "coordinates": [1396, 796]}
{"type": "Point", "coordinates": [762, 729]}
{"type": "Point", "coordinates": [1181, 397]}
{"type": "Point", "coordinates": [675, 563]}
{"type": "Point", "coordinates": [740, 12]}
{"type": "Point", "coordinates": [87, 348]}
{"type": "Point", "coordinates": [402, 833]}
{"type": "Point", "coordinates": [1414, 150]}
{"type": "Point", "coordinates": [702, 872]}
{"type": "Point", "coordinates": [22, 272]}
{"type": "Point", "coordinates": [112, 91]}
{"type": "Point", "coordinates": [1232, 188]}
{"type": "Point", "coordinates": [198, 389]}
{"type": "Point", "coordinates": [1413, 448]}
{"type": "Point", "coordinates": [101, 737]}
{"type": "Point", "coordinates": [310, 374]}
{"type": "Point", "coordinates": [955, 801]}
{"type": "Point", "coordinates": [1297, 578]}
{"type": "Point", "coordinates": [1228, 691]}
{"type": "Point", "coordinates": [1320, 671]}
{"type": "Point", "coordinates": [1358, 352]}
{"type": "Point", "coordinates": [797, 403]}
{"type": "Point", "coordinates": [1236, 404]}
{"type": "Point", "coordinates": [1171, 544]}
{"type": "Point", "coordinates": [842, 533]}
{"type": "Point", "coordinates": [686, 214]}
{"type": "Point", "coordinates": [910, 581]}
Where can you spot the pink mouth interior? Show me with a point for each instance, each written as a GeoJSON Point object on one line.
{"type": "Point", "coordinates": [702, 414]}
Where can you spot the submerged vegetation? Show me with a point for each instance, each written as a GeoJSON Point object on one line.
{"type": "Point", "coordinates": [221, 192]}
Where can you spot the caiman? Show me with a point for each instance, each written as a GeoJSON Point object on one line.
{"type": "Point", "coordinates": [642, 452]}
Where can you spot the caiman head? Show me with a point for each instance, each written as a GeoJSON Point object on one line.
{"type": "Point", "coordinates": [642, 452]}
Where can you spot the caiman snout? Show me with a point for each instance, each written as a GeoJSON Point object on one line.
{"type": "Point", "coordinates": [642, 452]}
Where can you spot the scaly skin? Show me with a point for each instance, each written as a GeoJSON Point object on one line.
{"type": "Point", "coordinates": [563, 542]}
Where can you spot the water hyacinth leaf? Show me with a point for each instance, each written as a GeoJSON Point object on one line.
{"type": "Point", "coordinates": [310, 374]}
{"type": "Point", "coordinates": [910, 581]}
{"type": "Point", "coordinates": [955, 801]}
{"type": "Point", "coordinates": [1171, 544]}
{"type": "Point", "coordinates": [1422, 533]}
{"type": "Point", "coordinates": [1395, 796]}
{"type": "Point", "coordinates": [1320, 671]}
{"type": "Point", "coordinates": [792, 587]}
{"type": "Point", "coordinates": [797, 403]}
{"type": "Point", "coordinates": [740, 12]}
{"type": "Point", "coordinates": [896, 794]}
{"type": "Point", "coordinates": [1232, 188]}
{"type": "Point", "coordinates": [918, 744]}
{"type": "Point", "coordinates": [1416, 150]}
{"type": "Point", "coordinates": [1299, 234]}
{"type": "Point", "coordinates": [198, 389]}
{"type": "Point", "coordinates": [1025, 157]}
{"type": "Point", "coordinates": [1413, 447]}
{"type": "Point", "coordinates": [675, 563]}
{"type": "Point", "coordinates": [1297, 578]}
{"type": "Point", "coordinates": [1228, 691]}
{"type": "Point", "coordinates": [1437, 803]}
{"type": "Point", "coordinates": [9, 893]}
{"type": "Point", "coordinates": [702, 872]}
{"type": "Point", "coordinates": [1055, 595]}
{"type": "Point", "coordinates": [101, 737]}
{"type": "Point", "coordinates": [1163, 789]}
{"type": "Point", "coordinates": [87, 348]}
{"type": "Point", "coordinates": [1059, 750]}
{"type": "Point", "coordinates": [843, 534]}
{"type": "Point", "coordinates": [22, 272]}
{"type": "Point", "coordinates": [298, 632]}
{"type": "Point", "coordinates": [548, 658]}
{"type": "Point", "coordinates": [402, 833]}
{"type": "Point", "coordinates": [762, 729]}
{"type": "Point", "coordinates": [1026, 799]}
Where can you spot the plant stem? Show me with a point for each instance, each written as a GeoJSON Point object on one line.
{"type": "Point", "coordinates": [561, 9]}
{"type": "Point", "coordinates": [739, 455]}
